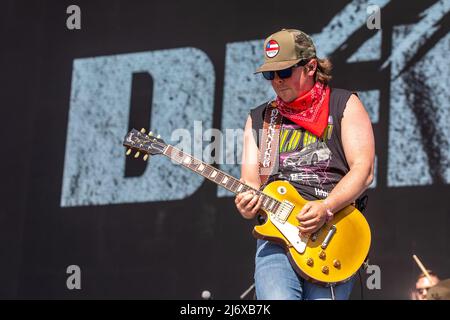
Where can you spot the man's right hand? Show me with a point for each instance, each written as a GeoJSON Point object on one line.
{"type": "Point", "coordinates": [248, 203]}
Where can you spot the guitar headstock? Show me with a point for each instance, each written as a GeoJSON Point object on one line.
{"type": "Point", "coordinates": [148, 144]}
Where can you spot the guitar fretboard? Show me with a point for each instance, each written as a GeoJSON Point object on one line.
{"type": "Point", "coordinates": [217, 176]}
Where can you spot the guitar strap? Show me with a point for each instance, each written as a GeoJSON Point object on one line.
{"type": "Point", "coordinates": [268, 148]}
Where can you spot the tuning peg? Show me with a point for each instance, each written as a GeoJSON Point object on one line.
{"type": "Point", "coordinates": [137, 155]}
{"type": "Point", "coordinates": [158, 136]}
{"type": "Point", "coordinates": [145, 157]}
{"type": "Point", "coordinates": [142, 130]}
{"type": "Point", "coordinates": [128, 152]}
{"type": "Point", "coordinates": [150, 134]}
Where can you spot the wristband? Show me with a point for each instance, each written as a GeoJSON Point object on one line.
{"type": "Point", "coordinates": [330, 214]}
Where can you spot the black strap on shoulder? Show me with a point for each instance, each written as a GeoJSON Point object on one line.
{"type": "Point", "coordinates": [361, 203]}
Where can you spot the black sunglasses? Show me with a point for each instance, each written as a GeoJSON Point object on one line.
{"type": "Point", "coordinates": [285, 73]}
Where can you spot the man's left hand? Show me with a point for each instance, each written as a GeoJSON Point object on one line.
{"type": "Point", "coordinates": [312, 216]}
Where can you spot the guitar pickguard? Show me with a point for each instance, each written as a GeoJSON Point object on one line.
{"type": "Point", "coordinates": [291, 233]}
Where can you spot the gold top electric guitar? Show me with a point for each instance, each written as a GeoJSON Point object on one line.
{"type": "Point", "coordinates": [329, 256]}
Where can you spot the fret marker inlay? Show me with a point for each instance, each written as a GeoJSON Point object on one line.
{"type": "Point", "coordinates": [187, 160]}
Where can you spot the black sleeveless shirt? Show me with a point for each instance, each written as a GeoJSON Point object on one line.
{"type": "Point", "coordinates": [311, 164]}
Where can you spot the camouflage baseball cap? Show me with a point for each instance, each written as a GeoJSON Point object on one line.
{"type": "Point", "coordinates": [285, 48]}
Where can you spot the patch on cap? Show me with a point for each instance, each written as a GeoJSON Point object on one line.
{"type": "Point", "coordinates": [272, 48]}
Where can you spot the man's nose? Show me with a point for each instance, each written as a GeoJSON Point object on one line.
{"type": "Point", "coordinates": [277, 78]}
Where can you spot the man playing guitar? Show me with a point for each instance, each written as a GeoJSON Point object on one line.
{"type": "Point", "coordinates": [326, 151]}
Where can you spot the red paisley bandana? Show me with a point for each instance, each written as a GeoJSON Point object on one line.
{"type": "Point", "coordinates": [309, 111]}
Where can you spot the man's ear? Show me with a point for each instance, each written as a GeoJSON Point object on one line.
{"type": "Point", "coordinates": [311, 67]}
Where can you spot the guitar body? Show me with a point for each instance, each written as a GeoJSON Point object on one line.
{"type": "Point", "coordinates": [346, 250]}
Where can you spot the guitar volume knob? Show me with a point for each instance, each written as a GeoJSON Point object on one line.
{"type": "Point", "coordinates": [310, 262]}
{"type": "Point", "coordinates": [325, 270]}
{"type": "Point", "coordinates": [337, 264]}
{"type": "Point", "coordinates": [322, 255]}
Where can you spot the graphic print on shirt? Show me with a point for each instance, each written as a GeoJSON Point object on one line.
{"type": "Point", "coordinates": [304, 157]}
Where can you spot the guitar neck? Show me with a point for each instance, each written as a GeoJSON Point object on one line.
{"type": "Point", "coordinates": [217, 176]}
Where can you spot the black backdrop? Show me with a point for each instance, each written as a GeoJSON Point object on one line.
{"type": "Point", "coordinates": [199, 242]}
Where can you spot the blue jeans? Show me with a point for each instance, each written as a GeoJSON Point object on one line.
{"type": "Point", "coordinates": [275, 279]}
